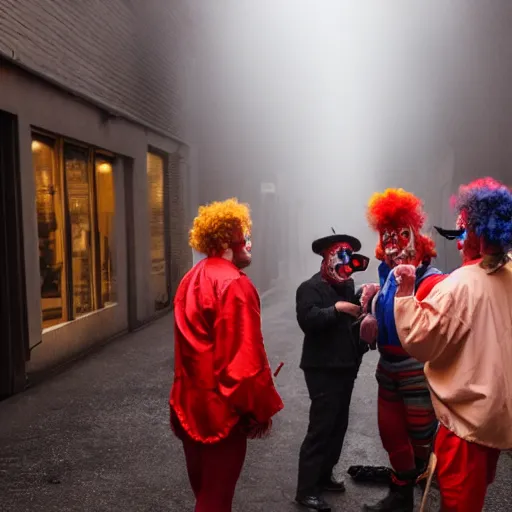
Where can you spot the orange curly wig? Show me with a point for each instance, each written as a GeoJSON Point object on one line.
{"type": "Point", "coordinates": [396, 207]}
{"type": "Point", "coordinates": [217, 224]}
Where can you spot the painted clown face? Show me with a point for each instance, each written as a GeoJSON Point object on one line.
{"type": "Point", "coordinates": [340, 263]}
{"type": "Point", "coordinates": [242, 251]}
{"type": "Point", "coordinates": [460, 224]}
{"type": "Point", "coordinates": [398, 246]}
{"type": "Point", "coordinates": [467, 242]}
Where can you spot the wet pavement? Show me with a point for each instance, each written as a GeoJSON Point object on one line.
{"type": "Point", "coordinates": [95, 437]}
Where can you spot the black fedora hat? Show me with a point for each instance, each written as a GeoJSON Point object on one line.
{"type": "Point", "coordinates": [320, 245]}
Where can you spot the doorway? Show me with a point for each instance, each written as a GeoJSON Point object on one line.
{"type": "Point", "coordinates": [14, 346]}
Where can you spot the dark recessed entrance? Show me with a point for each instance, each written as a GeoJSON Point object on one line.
{"type": "Point", "coordinates": [14, 347]}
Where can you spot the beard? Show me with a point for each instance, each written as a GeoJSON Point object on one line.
{"type": "Point", "coordinates": [242, 258]}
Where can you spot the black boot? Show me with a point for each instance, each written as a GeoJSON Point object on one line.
{"type": "Point", "coordinates": [313, 503]}
{"type": "Point", "coordinates": [399, 499]}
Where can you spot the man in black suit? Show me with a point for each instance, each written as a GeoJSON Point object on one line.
{"type": "Point", "coordinates": [328, 310]}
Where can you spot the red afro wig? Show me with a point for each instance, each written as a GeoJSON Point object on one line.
{"type": "Point", "coordinates": [395, 208]}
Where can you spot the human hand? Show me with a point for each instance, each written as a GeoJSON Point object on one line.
{"type": "Point", "coordinates": [369, 329]}
{"type": "Point", "coordinates": [348, 308]}
{"type": "Point", "coordinates": [255, 430]}
{"type": "Point", "coordinates": [405, 276]}
{"type": "Point", "coordinates": [368, 292]}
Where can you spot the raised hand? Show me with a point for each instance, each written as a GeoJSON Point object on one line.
{"type": "Point", "coordinates": [368, 292]}
{"type": "Point", "coordinates": [405, 276]}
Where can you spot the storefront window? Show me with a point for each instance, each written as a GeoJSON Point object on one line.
{"type": "Point", "coordinates": [79, 204]}
{"type": "Point", "coordinates": [75, 211]}
{"type": "Point", "coordinates": [105, 200]}
{"type": "Point", "coordinates": [159, 284]}
{"type": "Point", "coordinates": [50, 228]}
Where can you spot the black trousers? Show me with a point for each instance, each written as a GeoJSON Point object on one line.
{"type": "Point", "coordinates": [330, 393]}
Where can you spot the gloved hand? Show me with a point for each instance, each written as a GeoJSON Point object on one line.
{"type": "Point", "coordinates": [369, 329]}
{"type": "Point", "coordinates": [405, 276]}
{"type": "Point", "coordinates": [368, 292]}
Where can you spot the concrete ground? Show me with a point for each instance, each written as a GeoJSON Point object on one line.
{"type": "Point", "coordinates": [96, 438]}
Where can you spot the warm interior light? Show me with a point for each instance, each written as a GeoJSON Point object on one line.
{"type": "Point", "coordinates": [36, 146]}
{"type": "Point", "coordinates": [104, 168]}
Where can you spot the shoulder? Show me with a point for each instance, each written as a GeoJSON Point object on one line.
{"type": "Point", "coordinates": [313, 283]}
{"type": "Point", "coordinates": [219, 270]}
{"type": "Point", "coordinates": [458, 282]}
{"type": "Point", "coordinates": [461, 274]}
{"type": "Point", "coordinates": [221, 274]}
{"type": "Point", "coordinates": [429, 283]}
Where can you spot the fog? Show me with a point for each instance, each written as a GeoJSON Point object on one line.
{"type": "Point", "coordinates": [335, 99]}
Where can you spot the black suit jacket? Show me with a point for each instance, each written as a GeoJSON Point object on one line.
{"type": "Point", "coordinates": [331, 339]}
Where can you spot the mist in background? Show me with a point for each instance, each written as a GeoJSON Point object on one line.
{"type": "Point", "coordinates": [304, 109]}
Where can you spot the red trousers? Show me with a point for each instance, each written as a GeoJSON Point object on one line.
{"type": "Point", "coordinates": [214, 469]}
{"type": "Point", "coordinates": [464, 470]}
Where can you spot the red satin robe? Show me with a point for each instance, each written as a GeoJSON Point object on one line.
{"type": "Point", "coordinates": [221, 371]}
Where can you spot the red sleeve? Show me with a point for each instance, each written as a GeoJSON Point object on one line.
{"type": "Point", "coordinates": [244, 378]}
{"type": "Point", "coordinates": [428, 284]}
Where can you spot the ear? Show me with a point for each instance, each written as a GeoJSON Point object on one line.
{"type": "Point", "coordinates": [359, 262]}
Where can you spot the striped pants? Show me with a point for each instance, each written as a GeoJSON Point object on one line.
{"type": "Point", "coordinates": [407, 421]}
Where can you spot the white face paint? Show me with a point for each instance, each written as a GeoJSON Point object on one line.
{"type": "Point", "coordinates": [398, 245]}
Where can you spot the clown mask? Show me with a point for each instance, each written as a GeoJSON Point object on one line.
{"type": "Point", "coordinates": [398, 246]}
{"type": "Point", "coordinates": [468, 243]}
{"type": "Point", "coordinates": [340, 262]}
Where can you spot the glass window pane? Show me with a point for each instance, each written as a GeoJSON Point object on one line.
{"type": "Point", "coordinates": [50, 227]}
{"type": "Point", "coordinates": [159, 288]}
{"type": "Point", "coordinates": [79, 204]}
{"type": "Point", "coordinates": [106, 207]}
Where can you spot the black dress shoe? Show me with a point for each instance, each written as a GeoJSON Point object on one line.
{"type": "Point", "coordinates": [399, 499]}
{"type": "Point", "coordinates": [332, 484]}
{"type": "Point", "coordinates": [313, 503]}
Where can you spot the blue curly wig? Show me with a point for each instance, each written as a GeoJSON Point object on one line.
{"type": "Point", "coordinates": [487, 208]}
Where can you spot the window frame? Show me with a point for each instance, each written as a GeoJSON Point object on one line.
{"type": "Point", "coordinates": [93, 152]}
{"type": "Point", "coordinates": [167, 221]}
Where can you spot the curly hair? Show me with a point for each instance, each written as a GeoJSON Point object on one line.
{"type": "Point", "coordinates": [217, 224]}
{"type": "Point", "coordinates": [487, 182]}
{"type": "Point", "coordinates": [396, 207]}
{"type": "Point", "coordinates": [486, 205]}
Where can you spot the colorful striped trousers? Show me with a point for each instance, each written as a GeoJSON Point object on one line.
{"type": "Point", "coordinates": [407, 421]}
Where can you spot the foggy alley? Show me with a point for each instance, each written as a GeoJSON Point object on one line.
{"type": "Point", "coordinates": [96, 437]}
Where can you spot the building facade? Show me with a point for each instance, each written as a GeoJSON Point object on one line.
{"type": "Point", "coordinates": [95, 174]}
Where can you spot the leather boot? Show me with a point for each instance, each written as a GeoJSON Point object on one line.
{"type": "Point", "coordinates": [399, 499]}
{"type": "Point", "coordinates": [313, 503]}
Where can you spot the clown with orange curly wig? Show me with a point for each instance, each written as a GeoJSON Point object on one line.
{"type": "Point", "coordinates": [406, 418]}
{"type": "Point", "coordinates": [223, 391]}
{"type": "Point", "coordinates": [223, 226]}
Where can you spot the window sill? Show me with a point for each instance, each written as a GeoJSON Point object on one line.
{"type": "Point", "coordinates": [81, 317]}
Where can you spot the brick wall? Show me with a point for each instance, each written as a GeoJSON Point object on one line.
{"type": "Point", "coordinates": [123, 54]}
